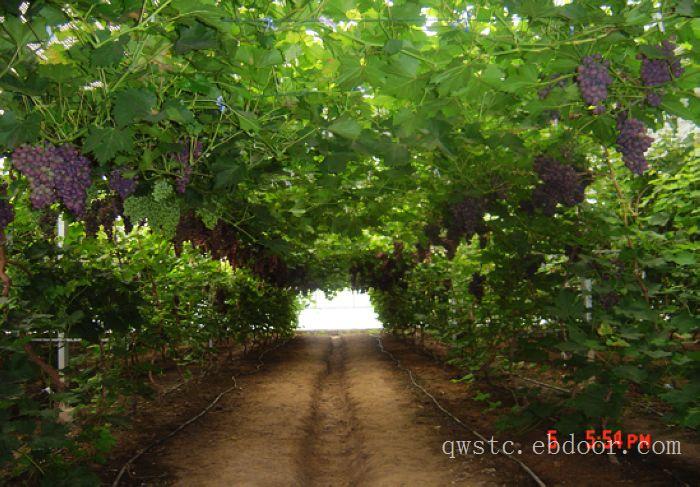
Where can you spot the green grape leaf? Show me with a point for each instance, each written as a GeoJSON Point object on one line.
{"type": "Point", "coordinates": [630, 372]}
{"type": "Point", "coordinates": [109, 54]}
{"type": "Point", "coordinates": [346, 127]}
{"type": "Point", "coordinates": [196, 37]}
{"type": "Point", "coordinates": [14, 132]}
{"type": "Point", "coordinates": [105, 143]}
{"type": "Point", "coordinates": [132, 105]}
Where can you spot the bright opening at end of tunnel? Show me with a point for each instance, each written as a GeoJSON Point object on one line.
{"type": "Point", "coordinates": [347, 310]}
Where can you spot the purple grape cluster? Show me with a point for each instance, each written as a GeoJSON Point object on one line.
{"type": "Point", "coordinates": [674, 62]}
{"type": "Point", "coordinates": [608, 300]}
{"type": "Point", "coordinates": [124, 187]}
{"type": "Point", "coordinates": [54, 173]}
{"type": "Point", "coordinates": [655, 72]}
{"type": "Point", "coordinates": [632, 142]}
{"type": "Point", "coordinates": [72, 178]}
{"type": "Point", "coordinates": [531, 264]}
{"type": "Point", "coordinates": [186, 157]}
{"type": "Point", "coordinates": [432, 231]}
{"type": "Point", "coordinates": [184, 179]}
{"type": "Point", "coordinates": [653, 98]}
{"type": "Point", "coordinates": [560, 184]}
{"type": "Point", "coordinates": [103, 212]}
{"type": "Point", "coordinates": [37, 163]}
{"type": "Point", "coordinates": [476, 286]}
{"type": "Point", "coordinates": [467, 218]}
{"type": "Point", "coordinates": [7, 212]}
{"type": "Point", "coordinates": [593, 80]}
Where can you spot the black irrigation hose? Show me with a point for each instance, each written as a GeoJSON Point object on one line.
{"type": "Point", "coordinates": [163, 439]}
{"type": "Point", "coordinates": [527, 469]}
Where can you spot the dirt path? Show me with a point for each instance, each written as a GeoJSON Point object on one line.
{"type": "Point", "coordinates": [325, 411]}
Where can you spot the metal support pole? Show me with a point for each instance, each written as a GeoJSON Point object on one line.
{"type": "Point", "coordinates": [62, 343]}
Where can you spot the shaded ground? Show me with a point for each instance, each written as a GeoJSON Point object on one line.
{"type": "Point", "coordinates": [332, 410]}
{"type": "Point", "coordinates": [325, 410]}
{"type": "Point", "coordinates": [564, 470]}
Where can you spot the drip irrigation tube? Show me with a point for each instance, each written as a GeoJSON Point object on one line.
{"type": "Point", "coordinates": [527, 469]}
{"type": "Point", "coordinates": [163, 439]}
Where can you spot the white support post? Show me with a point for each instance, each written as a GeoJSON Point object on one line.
{"type": "Point", "coordinates": [60, 231]}
{"type": "Point", "coordinates": [62, 351]}
{"type": "Point", "coordinates": [588, 304]}
{"type": "Point", "coordinates": [62, 343]}
{"type": "Point", "coordinates": [66, 413]}
{"type": "Point", "coordinates": [588, 298]}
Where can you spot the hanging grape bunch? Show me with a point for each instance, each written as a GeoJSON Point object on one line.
{"type": "Point", "coordinates": [102, 212]}
{"type": "Point", "coordinates": [467, 218]}
{"type": "Point", "coordinates": [190, 229]}
{"type": "Point", "coordinates": [432, 231]}
{"type": "Point", "coordinates": [54, 173]}
{"type": "Point", "coordinates": [91, 220]}
{"type": "Point", "coordinates": [72, 178]}
{"type": "Point", "coordinates": [362, 272]}
{"type": "Point", "coordinates": [609, 299]}
{"type": "Point", "coordinates": [36, 163]}
{"type": "Point", "coordinates": [658, 71]}
{"type": "Point", "coordinates": [7, 212]}
{"type": "Point", "coordinates": [124, 187]}
{"type": "Point", "coordinates": [653, 98]}
{"type": "Point", "coordinates": [633, 142]}
{"type": "Point", "coordinates": [593, 80]}
{"type": "Point", "coordinates": [186, 157]}
{"type": "Point", "coordinates": [422, 252]}
{"type": "Point", "coordinates": [476, 286]}
{"type": "Point", "coordinates": [561, 183]}
{"type": "Point", "coordinates": [531, 264]}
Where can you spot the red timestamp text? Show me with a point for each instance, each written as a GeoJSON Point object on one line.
{"type": "Point", "coordinates": [609, 439]}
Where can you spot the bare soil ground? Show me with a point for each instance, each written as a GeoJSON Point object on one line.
{"type": "Point", "coordinates": [332, 410]}
{"type": "Point", "coordinates": [560, 470]}
{"type": "Point", "coordinates": [324, 411]}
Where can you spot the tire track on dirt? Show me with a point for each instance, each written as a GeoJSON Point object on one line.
{"type": "Point", "coordinates": [402, 438]}
{"type": "Point", "coordinates": [332, 456]}
{"type": "Point", "coordinates": [324, 411]}
{"type": "Point", "coordinates": [255, 438]}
